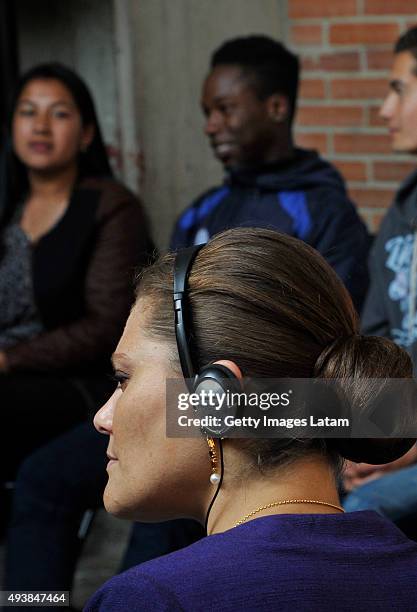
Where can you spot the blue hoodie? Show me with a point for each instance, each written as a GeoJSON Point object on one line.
{"type": "Point", "coordinates": [304, 197]}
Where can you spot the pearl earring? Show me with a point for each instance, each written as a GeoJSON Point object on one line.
{"type": "Point", "coordinates": [214, 476]}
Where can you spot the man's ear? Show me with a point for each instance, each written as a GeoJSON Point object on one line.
{"type": "Point", "coordinates": [278, 107]}
{"type": "Point", "coordinates": [230, 365]}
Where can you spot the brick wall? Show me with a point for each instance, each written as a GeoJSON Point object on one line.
{"type": "Point", "coordinates": [346, 52]}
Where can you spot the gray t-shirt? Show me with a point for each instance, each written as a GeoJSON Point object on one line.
{"type": "Point", "coordinates": [19, 317]}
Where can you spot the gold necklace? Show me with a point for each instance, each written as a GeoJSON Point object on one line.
{"type": "Point", "coordinates": [284, 502]}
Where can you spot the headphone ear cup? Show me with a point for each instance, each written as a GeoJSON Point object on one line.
{"type": "Point", "coordinates": [216, 384]}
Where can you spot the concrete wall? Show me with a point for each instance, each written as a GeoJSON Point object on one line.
{"type": "Point", "coordinates": [79, 34]}
{"type": "Point", "coordinates": [172, 43]}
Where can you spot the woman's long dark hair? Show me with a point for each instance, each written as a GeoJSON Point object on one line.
{"type": "Point", "coordinates": [92, 162]}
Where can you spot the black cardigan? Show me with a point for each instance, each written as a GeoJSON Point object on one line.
{"type": "Point", "coordinates": [82, 273]}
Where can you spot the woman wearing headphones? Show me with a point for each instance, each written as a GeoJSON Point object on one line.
{"type": "Point", "coordinates": [253, 303]}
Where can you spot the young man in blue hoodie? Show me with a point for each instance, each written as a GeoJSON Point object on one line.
{"type": "Point", "coordinates": [249, 100]}
{"type": "Point", "coordinates": [390, 307]}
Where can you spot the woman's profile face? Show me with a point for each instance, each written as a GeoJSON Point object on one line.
{"type": "Point", "coordinates": [151, 477]}
{"type": "Point", "coordinates": [47, 128]}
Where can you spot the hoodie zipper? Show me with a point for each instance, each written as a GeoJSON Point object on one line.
{"type": "Point", "coordinates": [412, 284]}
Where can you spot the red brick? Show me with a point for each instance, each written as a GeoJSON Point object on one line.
{"type": "Point", "coordinates": [316, 141]}
{"type": "Point", "coordinates": [377, 219]}
{"type": "Point", "coordinates": [363, 33]}
{"type": "Point", "coordinates": [390, 7]}
{"type": "Point", "coordinates": [312, 88]}
{"type": "Point", "coordinates": [374, 119]}
{"type": "Point", "coordinates": [379, 59]}
{"type": "Point", "coordinates": [340, 61]}
{"type": "Point", "coordinates": [351, 170]}
{"type": "Point", "coordinates": [373, 198]}
{"type": "Point", "coordinates": [334, 62]}
{"type": "Point", "coordinates": [358, 88]}
{"type": "Point", "coordinates": [362, 143]}
{"type": "Point", "coordinates": [306, 34]}
{"type": "Point", "coordinates": [330, 115]}
{"type": "Point", "coordinates": [393, 171]}
{"type": "Point", "coordinates": [373, 220]}
{"type": "Point", "coordinates": [309, 63]}
{"type": "Point", "coordinates": [305, 9]}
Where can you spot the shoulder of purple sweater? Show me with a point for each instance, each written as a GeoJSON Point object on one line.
{"type": "Point", "coordinates": [133, 591]}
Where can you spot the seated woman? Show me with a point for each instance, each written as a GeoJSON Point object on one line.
{"type": "Point", "coordinates": [390, 489]}
{"type": "Point", "coordinates": [70, 237]}
{"type": "Point", "coordinates": [258, 304]}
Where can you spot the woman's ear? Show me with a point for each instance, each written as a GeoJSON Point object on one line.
{"type": "Point", "coordinates": [87, 136]}
{"type": "Point", "coordinates": [230, 365]}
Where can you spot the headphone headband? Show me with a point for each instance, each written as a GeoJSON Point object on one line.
{"type": "Point", "coordinates": [183, 263]}
{"type": "Point", "coordinates": [213, 376]}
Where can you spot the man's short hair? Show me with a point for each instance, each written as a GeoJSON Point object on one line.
{"type": "Point", "coordinates": [274, 68]}
{"type": "Point", "coordinates": [407, 42]}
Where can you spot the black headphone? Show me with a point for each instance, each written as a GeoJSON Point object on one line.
{"type": "Point", "coordinates": [213, 377]}
{"type": "Point", "coordinates": [221, 380]}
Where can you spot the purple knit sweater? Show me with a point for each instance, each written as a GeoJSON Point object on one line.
{"type": "Point", "coordinates": [290, 562]}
